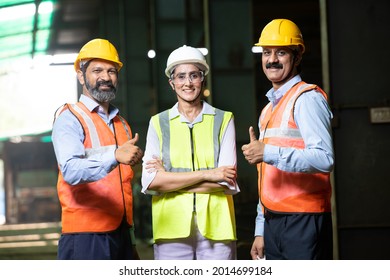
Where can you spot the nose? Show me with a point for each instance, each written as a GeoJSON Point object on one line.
{"type": "Point", "coordinates": [273, 57]}
{"type": "Point", "coordinates": [105, 75]}
{"type": "Point", "coordinates": [188, 80]}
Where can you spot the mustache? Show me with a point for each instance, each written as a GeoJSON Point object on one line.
{"type": "Point", "coordinates": [274, 65]}
{"type": "Point", "coordinates": [104, 83]}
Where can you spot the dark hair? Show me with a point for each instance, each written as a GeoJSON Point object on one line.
{"type": "Point", "coordinates": [297, 51]}
{"type": "Point", "coordinates": [85, 65]}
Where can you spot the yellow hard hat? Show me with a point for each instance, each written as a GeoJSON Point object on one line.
{"type": "Point", "coordinates": [281, 32]}
{"type": "Point", "coordinates": [98, 48]}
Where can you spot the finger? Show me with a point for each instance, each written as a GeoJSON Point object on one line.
{"type": "Point", "coordinates": [151, 162]}
{"type": "Point", "coordinates": [135, 139]}
{"type": "Point", "coordinates": [140, 154]}
{"type": "Point", "coordinates": [260, 254]}
{"type": "Point", "coordinates": [252, 135]}
{"type": "Point", "coordinates": [253, 255]}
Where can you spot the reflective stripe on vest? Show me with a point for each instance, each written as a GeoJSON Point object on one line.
{"type": "Point", "coordinates": [95, 142]}
{"type": "Point", "coordinates": [284, 130]}
{"type": "Point", "coordinates": [290, 192]}
{"type": "Point", "coordinates": [165, 126]}
{"type": "Point", "coordinates": [173, 212]}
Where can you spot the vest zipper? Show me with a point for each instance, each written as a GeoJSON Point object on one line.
{"type": "Point", "coordinates": [193, 166]}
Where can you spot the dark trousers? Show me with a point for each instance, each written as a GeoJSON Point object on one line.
{"type": "Point", "coordinates": [298, 236]}
{"type": "Point", "coordinates": [114, 245]}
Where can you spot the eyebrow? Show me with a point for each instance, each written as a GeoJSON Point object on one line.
{"type": "Point", "coordinates": [103, 68]}
{"type": "Point", "coordinates": [276, 48]}
{"type": "Point", "coordinates": [194, 71]}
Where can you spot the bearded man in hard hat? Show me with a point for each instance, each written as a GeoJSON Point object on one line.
{"type": "Point", "coordinates": [294, 155]}
{"type": "Point", "coordinates": [95, 150]}
{"type": "Point", "coordinates": [190, 168]}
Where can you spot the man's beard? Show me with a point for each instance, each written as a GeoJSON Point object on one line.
{"type": "Point", "coordinates": [102, 95]}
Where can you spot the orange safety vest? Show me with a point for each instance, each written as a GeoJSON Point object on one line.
{"type": "Point", "coordinates": [98, 206]}
{"type": "Point", "coordinates": [290, 192]}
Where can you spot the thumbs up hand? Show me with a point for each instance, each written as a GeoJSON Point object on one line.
{"type": "Point", "coordinates": [129, 153]}
{"type": "Point", "coordinates": [252, 135]}
{"type": "Point", "coordinates": [254, 151]}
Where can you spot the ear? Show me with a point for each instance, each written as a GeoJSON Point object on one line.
{"type": "Point", "coordinates": [172, 84]}
{"type": "Point", "coordinates": [80, 77]}
{"type": "Point", "coordinates": [298, 59]}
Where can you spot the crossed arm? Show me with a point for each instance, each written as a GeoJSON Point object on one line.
{"type": "Point", "coordinates": [221, 178]}
{"type": "Point", "coordinates": [203, 181]}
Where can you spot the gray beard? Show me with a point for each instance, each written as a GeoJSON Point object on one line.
{"type": "Point", "coordinates": [101, 95]}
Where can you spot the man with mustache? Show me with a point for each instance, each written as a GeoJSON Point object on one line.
{"type": "Point", "coordinates": [293, 154]}
{"type": "Point", "coordinates": [96, 151]}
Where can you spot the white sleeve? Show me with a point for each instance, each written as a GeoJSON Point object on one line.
{"type": "Point", "coordinates": [228, 154]}
{"type": "Point", "coordinates": [151, 149]}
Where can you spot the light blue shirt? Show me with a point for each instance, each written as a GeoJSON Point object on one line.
{"type": "Point", "coordinates": [313, 116]}
{"type": "Point", "coordinates": [68, 138]}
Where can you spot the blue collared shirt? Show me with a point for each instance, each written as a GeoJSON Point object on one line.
{"type": "Point", "coordinates": [313, 117]}
{"type": "Point", "coordinates": [68, 138]}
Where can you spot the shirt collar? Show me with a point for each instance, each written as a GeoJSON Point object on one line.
{"type": "Point", "coordinates": [206, 110]}
{"type": "Point", "coordinates": [92, 105]}
{"type": "Point", "coordinates": [274, 96]}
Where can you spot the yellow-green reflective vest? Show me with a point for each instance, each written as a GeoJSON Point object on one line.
{"type": "Point", "coordinates": [185, 149]}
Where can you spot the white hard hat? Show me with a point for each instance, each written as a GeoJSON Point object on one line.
{"type": "Point", "coordinates": [186, 54]}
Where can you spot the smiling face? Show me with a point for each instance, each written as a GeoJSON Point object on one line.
{"type": "Point", "coordinates": [279, 64]}
{"type": "Point", "coordinates": [99, 80]}
{"type": "Point", "coordinates": [186, 81]}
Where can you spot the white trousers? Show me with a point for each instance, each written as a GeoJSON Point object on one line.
{"type": "Point", "coordinates": [194, 247]}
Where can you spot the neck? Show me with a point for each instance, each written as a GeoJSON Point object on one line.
{"type": "Point", "coordinates": [277, 85]}
{"type": "Point", "coordinates": [190, 110]}
{"type": "Point", "coordinates": [103, 105]}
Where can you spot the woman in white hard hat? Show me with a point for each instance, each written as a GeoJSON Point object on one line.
{"type": "Point", "coordinates": [190, 168]}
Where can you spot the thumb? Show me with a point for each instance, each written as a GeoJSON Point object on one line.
{"type": "Point", "coordinates": [135, 139]}
{"type": "Point", "coordinates": [252, 135]}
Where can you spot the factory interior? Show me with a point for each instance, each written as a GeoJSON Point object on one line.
{"type": "Point", "coordinates": [40, 39]}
